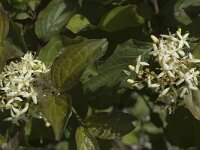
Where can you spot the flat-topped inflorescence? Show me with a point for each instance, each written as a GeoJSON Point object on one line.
{"type": "Point", "coordinates": [21, 84]}
{"type": "Point", "coordinates": [176, 73]}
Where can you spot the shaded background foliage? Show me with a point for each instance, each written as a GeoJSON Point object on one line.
{"type": "Point", "coordinates": [90, 43]}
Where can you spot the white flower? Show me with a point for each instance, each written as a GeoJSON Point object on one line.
{"type": "Point", "coordinates": [139, 63]}
{"type": "Point", "coordinates": [178, 70]}
{"type": "Point", "coordinates": [22, 84]}
{"type": "Point", "coordinates": [183, 39]}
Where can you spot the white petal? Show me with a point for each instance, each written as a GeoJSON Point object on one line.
{"type": "Point", "coordinates": [170, 74]}
{"type": "Point", "coordinates": [165, 91]}
{"type": "Point", "coordinates": [193, 88]}
{"type": "Point", "coordinates": [25, 108]}
{"type": "Point", "coordinates": [34, 98]}
{"type": "Point", "coordinates": [160, 75]}
{"type": "Point", "coordinates": [131, 81]}
{"type": "Point", "coordinates": [131, 67]}
{"type": "Point", "coordinates": [137, 67]}
{"type": "Point", "coordinates": [183, 92]}
{"type": "Point", "coordinates": [155, 39]}
{"type": "Point", "coordinates": [144, 64]}
{"type": "Point", "coordinates": [179, 81]}
{"type": "Point", "coordinates": [155, 85]}
{"type": "Point", "coordinates": [11, 94]}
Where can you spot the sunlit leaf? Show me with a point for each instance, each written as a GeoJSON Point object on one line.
{"type": "Point", "coordinates": [4, 24]}
{"type": "Point", "coordinates": [53, 18]}
{"type": "Point", "coordinates": [55, 46]}
{"type": "Point", "coordinates": [111, 125]}
{"type": "Point", "coordinates": [22, 16]}
{"type": "Point", "coordinates": [57, 110]}
{"type": "Point", "coordinates": [120, 18]}
{"type": "Point", "coordinates": [78, 23]}
{"type": "Point", "coordinates": [85, 141]}
{"type": "Point", "coordinates": [68, 67]}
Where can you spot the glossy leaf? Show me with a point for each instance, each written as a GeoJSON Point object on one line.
{"type": "Point", "coordinates": [110, 125]}
{"type": "Point", "coordinates": [53, 18]}
{"type": "Point", "coordinates": [120, 18]}
{"type": "Point", "coordinates": [55, 46]}
{"type": "Point", "coordinates": [57, 110]}
{"type": "Point", "coordinates": [192, 101]}
{"type": "Point", "coordinates": [85, 141]}
{"type": "Point", "coordinates": [111, 71]}
{"type": "Point", "coordinates": [68, 67]}
{"type": "Point", "coordinates": [4, 24]}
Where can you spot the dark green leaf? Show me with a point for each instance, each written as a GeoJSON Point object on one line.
{"type": "Point", "coordinates": [4, 24]}
{"type": "Point", "coordinates": [68, 67]}
{"type": "Point", "coordinates": [182, 129]}
{"type": "Point", "coordinates": [85, 141]}
{"type": "Point", "coordinates": [5, 54]}
{"type": "Point", "coordinates": [33, 4]}
{"type": "Point", "coordinates": [53, 18]}
{"type": "Point", "coordinates": [106, 2]}
{"type": "Point", "coordinates": [15, 35]}
{"type": "Point", "coordinates": [110, 125]}
{"type": "Point", "coordinates": [196, 51]}
{"type": "Point", "coordinates": [120, 18]}
{"type": "Point", "coordinates": [111, 72]}
{"type": "Point", "coordinates": [145, 10]}
{"type": "Point", "coordinates": [192, 101]}
{"type": "Point", "coordinates": [185, 11]}
{"type": "Point", "coordinates": [54, 47]}
{"type": "Point", "coordinates": [57, 110]}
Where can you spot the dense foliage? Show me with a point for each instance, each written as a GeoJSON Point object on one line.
{"type": "Point", "coordinates": [64, 67]}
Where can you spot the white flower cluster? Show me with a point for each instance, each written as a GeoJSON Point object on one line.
{"type": "Point", "coordinates": [21, 84]}
{"type": "Point", "coordinates": [176, 74]}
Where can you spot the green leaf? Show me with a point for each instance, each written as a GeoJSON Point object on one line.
{"type": "Point", "coordinates": [85, 141]}
{"type": "Point", "coordinates": [33, 4]}
{"type": "Point", "coordinates": [145, 10]}
{"type": "Point", "coordinates": [55, 46]}
{"type": "Point", "coordinates": [22, 16]}
{"type": "Point", "coordinates": [120, 18]}
{"type": "Point", "coordinates": [5, 54]}
{"type": "Point", "coordinates": [196, 51]}
{"type": "Point", "coordinates": [192, 101]}
{"type": "Point", "coordinates": [185, 11]}
{"type": "Point", "coordinates": [111, 72]}
{"type": "Point", "coordinates": [68, 67]}
{"type": "Point", "coordinates": [107, 2]}
{"type": "Point", "coordinates": [77, 23]}
{"type": "Point", "coordinates": [15, 35]}
{"type": "Point", "coordinates": [110, 125]}
{"type": "Point", "coordinates": [4, 24]}
{"type": "Point", "coordinates": [183, 129]}
{"type": "Point", "coordinates": [57, 110]}
{"type": "Point", "coordinates": [53, 18]}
